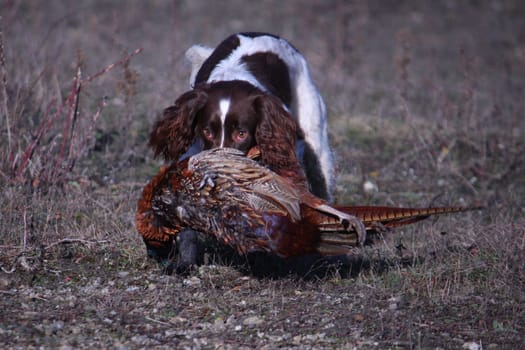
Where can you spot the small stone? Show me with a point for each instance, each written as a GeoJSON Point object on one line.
{"type": "Point", "coordinates": [193, 281]}
{"type": "Point", "coordinates": [314, 337]}
{"type": "Point", "coordinates": [4, 283]}
{"type": "Point", "coordinates": [471, 346]}
{"type": "Point", "coordinates": [370, 187]}
{"type": "Point", "coordinates": [359, 317]}
{"type": "Point", "coordinates": [57, 325]}
{"type": "Point", "coordinates": [170, 333]}
{"type": "Point", "coordinates": [329, 325]}
{"type": "Point", "coordinates": [177, 320]}
{"type": "Point", "coordinates": [297, 339]}
{"type": "Point", "coordinates": [252, 321]}
{"type": "Point", "coordinates": [219, 325]}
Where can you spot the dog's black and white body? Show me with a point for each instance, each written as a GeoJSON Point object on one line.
{"type": "Point", "coordinates": [253, 89]}
{"type": "Point", "coordinates": [273, 67]}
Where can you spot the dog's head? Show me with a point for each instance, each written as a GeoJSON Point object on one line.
{"type": "Point", "coordinates": [227, 114]}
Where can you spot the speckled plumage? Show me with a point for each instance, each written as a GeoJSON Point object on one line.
{"type": "Point", "coordinates": [231, 197]}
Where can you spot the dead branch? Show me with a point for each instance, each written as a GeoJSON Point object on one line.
{"type": "Point", "coordinates": [75, 240]}
{"type": "Point", "coordinates": [68, 110]}
{"type": "Point", "coordinates": [23, 258]}
{"type": "Point", "coordinates": [78, 83]}
{"type": "Point", "coordinates": [112, 65]}
{"type": "Point", "coordinates": [3, 73]}
{"type": "Point", "coordinates": [43, 127]}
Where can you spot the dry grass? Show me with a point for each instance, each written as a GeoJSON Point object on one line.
{"type": "Point", "coordinates": [425, 101]}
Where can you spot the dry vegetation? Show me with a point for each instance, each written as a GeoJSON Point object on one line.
{"type": "Point", "coordinates": [426, 102]}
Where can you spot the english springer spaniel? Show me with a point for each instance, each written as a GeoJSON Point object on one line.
{"type": "Point", "coordinates": [252, 89]}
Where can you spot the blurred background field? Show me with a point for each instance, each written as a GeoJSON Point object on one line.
{"type": "Point", "coordinates": [426, 108]}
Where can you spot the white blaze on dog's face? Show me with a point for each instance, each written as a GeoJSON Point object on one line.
{"type": "Point", "coordinates": [224, 106]}
{"type": "Point", "coordinates": [228, 119]}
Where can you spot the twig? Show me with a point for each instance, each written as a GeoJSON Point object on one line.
{"type": "Point", "coordinates": [157, 321]}
{"type": "Point", "coordinates": [68, 125]}
{"type": "Point", "coordinates": [74, 240]}
{"type": "Point", "coordinates": [415, 152]}
{"type": "Point", "coordinates": [3, 73]}
{"type": "Point", "coordinates": [24, 240]}
{"type": "Point", "coordinates": [42, 129]}
{"type": "Point", "coordinates": [464, 180]}
{"type": "Point", "coordinates": [39, 298]}
{"type": "Point", "coordinates": [8, 271]}
{"type": "Point", "coordinates": [7, 292]}
{"type": "Point", "coordinates": [112, 65]}
{"type": "Point", "coordinates": [22, 258]}
{"type": "Point", "coordinates": [59, 161]}
{"type": "Point", "coordinates": [89, 133]}
{"type": "Point", "coordinates": [78, 83]}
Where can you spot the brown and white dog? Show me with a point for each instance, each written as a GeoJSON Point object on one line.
{"type": "Point", "coordinates": [252, 89]}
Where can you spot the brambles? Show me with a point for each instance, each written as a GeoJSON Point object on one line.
{"type": "Point", "coordinates": [47, 153]}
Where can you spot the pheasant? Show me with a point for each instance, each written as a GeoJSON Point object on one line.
{"type": "Point", "coordinates": [228, 195]}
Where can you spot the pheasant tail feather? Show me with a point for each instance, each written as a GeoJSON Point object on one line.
{"type": "Point", "coordinates": [394, 216]}
{"type": "Point", "coordinates": [333, 241]}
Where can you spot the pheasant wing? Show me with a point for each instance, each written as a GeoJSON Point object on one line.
{"type": "Point", "coordinates": [260, 188]}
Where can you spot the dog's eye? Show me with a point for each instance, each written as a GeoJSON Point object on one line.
{"type": "Point", "coordinates": [207, 133]}
{"type": "Point", "coordinates": [240, 135]}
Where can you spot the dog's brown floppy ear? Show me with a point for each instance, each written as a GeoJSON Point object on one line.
{"type": "Point", "coordinates": [276, 134]}
{"type": "Point", "coordinates": [173, 133]}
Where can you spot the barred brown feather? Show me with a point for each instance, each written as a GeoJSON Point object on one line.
{"type": "Point", "coordinates": [224, 194]}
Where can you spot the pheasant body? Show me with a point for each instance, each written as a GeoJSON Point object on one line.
{"type": "Point", "coordinates": [223, 193]}
{"type": "Point", "coordinates": [241, 203]}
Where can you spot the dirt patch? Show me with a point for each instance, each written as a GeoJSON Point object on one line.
{"type": "Point", "coordinates": [78, 304]}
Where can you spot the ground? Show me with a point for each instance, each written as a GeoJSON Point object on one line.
{"type": "Point", "coordinates": [426, 108]}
